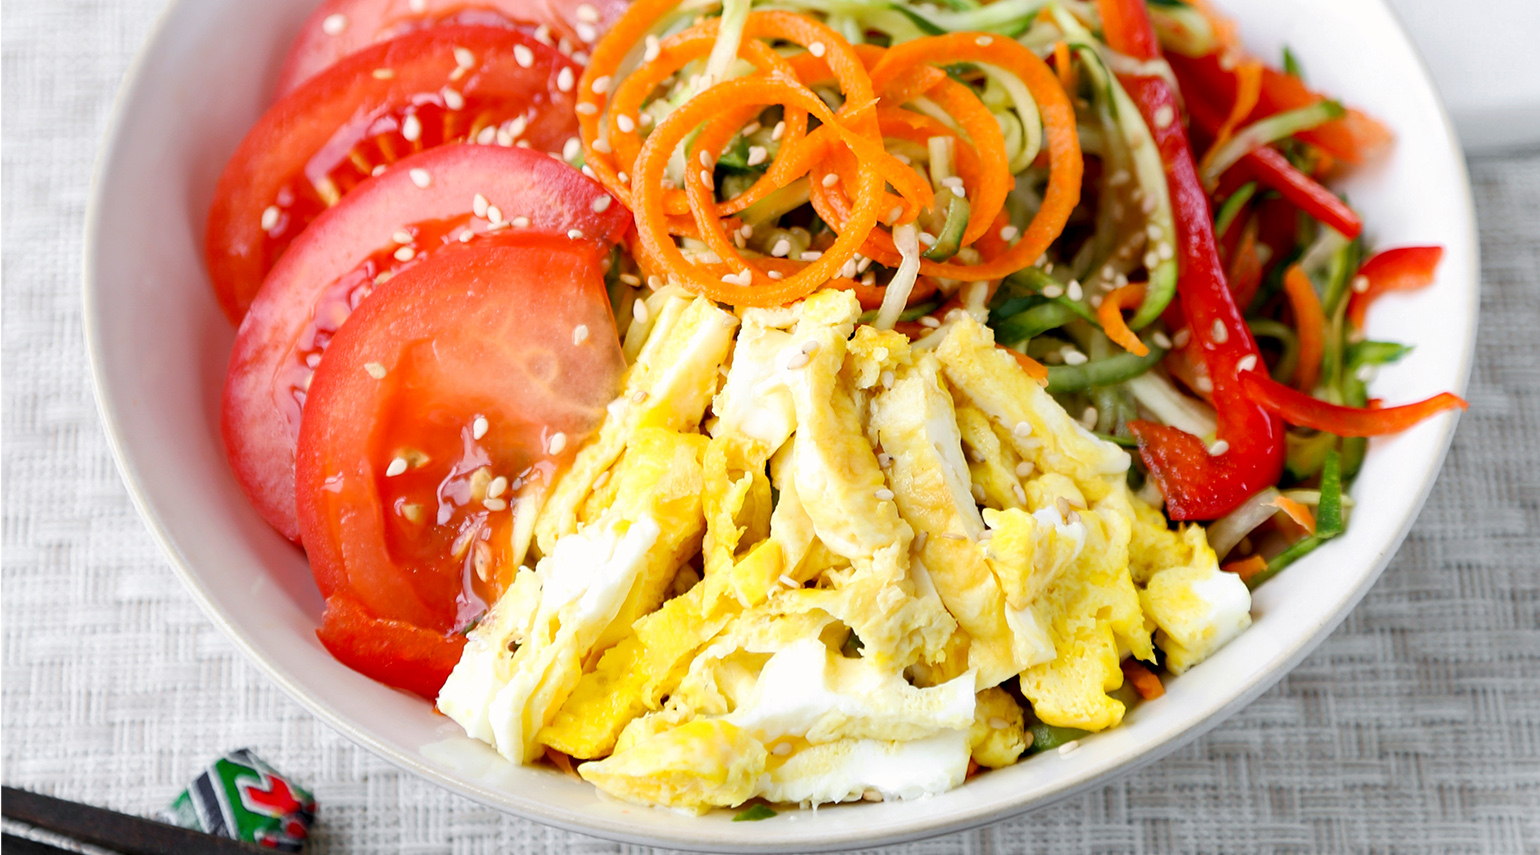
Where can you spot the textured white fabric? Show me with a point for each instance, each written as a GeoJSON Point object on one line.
{"type": "Point", "coordinates": [1415, 728]}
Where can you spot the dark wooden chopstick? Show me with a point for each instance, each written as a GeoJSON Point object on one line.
{"type": "Point", "coordinates": [13, 845]}
{"type": "Point", "coordinates": [130, 835]}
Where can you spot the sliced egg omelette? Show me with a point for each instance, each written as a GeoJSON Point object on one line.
{"type": "Point", "coordinates": [808, 561]}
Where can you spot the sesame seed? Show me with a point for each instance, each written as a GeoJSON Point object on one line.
{"type": "Point", "coordinates": [1008, 233]}
{"type": "Point", "coordinates": [602, 203]}
{"type": "Point", "coordinates": [464, 58]}
{"type": "Point", "coordinates": [816, 49]}
{"type": "Point", "coordinates": [1021, 495]}
{"type": "Point", "coordinates": [780, 128]}
{"type": "Point", "coordinates": [1164, 252]}
{"type": "Point", "coordinates": [411, 128]}
{"type": "Point", "coordinates": [797, 360]}
{"type": "Point", "coordinates": [639, 310]}
{"type": "Point", "coordinates": [781, 749]}
{"type": "Point", "coordinates": [978, 492]}
{"type": "Point", "coordinates": [382, 74]}
{"type": "Point", "coordinates": [378, 170]}
{"type": "Point", "coordinates": [774, 274]}
{"type": "Point", "coordinates": [887, 379]}
{"type": "Point", "coordinates": [830, 180]}
{"type": "Point", "coordinates": [623, 178]}
{"type": "Point", "coordinates": [653, 49]}
{"type": "Point", "coordinates": [1024, 468]}
{"type": "Point", "coordinates": [543, 34]}
{"type": "Point", "coordinates": [1069, 748]}
{"type": "Point", "coordinates": [586, 12]}
{"type": "Point", "coordinates": [930, 322]}
{"type": "Point", "coordinates": [523, 56]}
{"type": "Point", "coordinates": [1062, 504]}
{"type": "Point", "coordinates": [625, 123]}
{"type": "Point", "coordinates": [402, 237]}
{"type": "Point", "coordinates": [1220, 333]}
{"type": "Point", "coordinates": [1247, 362]}
{"type": "Point", "coordinates": [588, 33]}
{"type": "Point", "coordinates": [952, 535]}
{"type": "Point", "coordinates": [565, 80]}
{"type": "Point", "coordinates": [580, 334]}
{"type": "Point", "coordinates": [420, 177]}
{"type": "Point", "coordinates": [1182, 336]}
{"type": "Point", "coordinates": [1164, 116]}
{"type": "Point", "coordinates": [453, 99]}
{"type": "Point", "coordinates": [997, 723]}
{"type": "Point", "coordinates": [375, 370]}
{"type": "Point", "coordinates": [883, 495]}
{"type": "Point", "coordinates": [983, 41]}
{"type": "Point", "coordinates": [479, 205]}
{"type": "Point", "coordinates": [884, 460]}
{"type": "Point", "coordinates": [405, 253]}
{"type": "Point", "coordinates": [1161, 340]}
{"type": "Point", "coordinates": [639, 396]}
{"type": "Point", "coordinates": [810, 255]}
{"type": "Point", "coordinates": [601, 84]}
{"type": "Point", "coordinates": [757, 155]}
{"type": "Point", "coordinates": [927, 238]}
{"type": "Point", "coordinates": [920, 540]}
{"type": "Point", "coordinates": [396, 467]}
{"type": "Point", "coordinates": [742, 278]}
{"type": "Point", "coordinates": [575, 234]}
{"type": "Point", "coordinates": [334, 24]}
{"type": "Point", "coordinates": [494, 213]}
{"type": "Point", "coordinates": [1074, 357]}
{"type": "Point", "coordinates": [1360, 284]}
{"type": "Point", "coordinates": [1073, 290]}
{"type": "Point", "coordinates": [558, 442]}
{"type": "Point", "coordinates": [466, 236]}
{"type": "Point", "coordinates": [705, 179]}
{"type": "Point", "coordinates": [571, 148]}
{"type": "Point", "coordinates": [520, 222]}
{"type": "Point", "coordinates": [492, 504]}
{"type": "Point", "coordinates": [588, 109]}
{"type": "Point", "coordinates": [788, 581]}
{"type": "Point", "coordinates": [1053, 292]}
{"type": "Point", "coordinates": [270, 216]}
{"type": "Point", "coordinates": [1219, 447]}
{"type": "Point", "coordinates": [1088, 418]}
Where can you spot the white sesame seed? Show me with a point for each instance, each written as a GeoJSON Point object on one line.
{"type": "Point", "coordinates": [1247, 362]}
{"type": "Point", "coordinates": [778, 130]}
{"type": "Point", "coordinates": [1053, 292]}
{"type": "Point", "coordinates": [1008, 233]}
{"type": "Point", "coordinates": [492, 504]}
{"type": "Point", "coordinates": [978, 492]}
{"type": "Point", "coordinates": [520, 222]}
{"type": "Point", "coordinates": [927, 239]}
{"type": "Point", "coordinates": [920, 540]}
{"type": "Point", "coordinates": [571, 148]}
{"type": "Point", "coordinates": [1024, 468]}
{"type": "Point", "coordinates": [396, 467]}
{"type": "Point", "coordinates": [420, 177]}
{"type": "Point", "coordinates": [1181, 337]}
{"type": "Point", "coordinates": [639, 308]}
{"type": "Point", "coordinates": [930, 322]}
{"type": "Point", "coordinates": [523, 56]}
{"type": "Point", "coordinates": [1165, 252]}
{"type": "Point", "coordinates": [830, 180]}
{"type": "Point", "coordinates": [464, 58]}
{"type": "Point", "coordinates": [558, 442]}
{"type": "Point", "coordinates": [479, 205]}
{"type": "Point", "coordinates": [959, 191]}
{"type": "Point", "coordinates": [788, 581]}
{"type": "Point", "coordinates": [1204, 384]}
{"type": "Point", "coordinates": [1021, 494]}
{"type": "Point", "coordinates": [375, 370]}
{"type": "Point", "coordinates": [575, 234]}
{"type": "Point", "coordinates": [781, 749]}
{"type": "Point", "coordinates": [494, 213]}
{"type": "Point", "coordinates": [757, 155]}
{"type": "Point", "coordinates": [1161, 340]}
{"type": "Point", "coordinates": [601, 84]}
{"type": "Point", "coordinates": [742, 278]}
{"type": "Point", "coordinates": [884, 460]}
{"type": "Point", "coordinates": [580, 334]}
{"type": "Point", "coordinates": [884, 495]}
{"type": "Point", "coordinates": [453, 99]}
{"type": "Point", "coordinates": [810, 255]}
{"type": "Point", "coordinates": [334, 24]}
{"type": "Point", "coordinates": [417, 6]}
{"type": "Point", "coordinates": [411, 128]}
{"type": "Point", "coordinates": [466, 236]}
{"type": "Point", "coordinates": [270, 216]}
{"type": "Point", "coordinates": [602, 203]}
{"type": "Point", "coordinates": [382, 74]}
{"type": "Point", "coordinates": [565, 79]}
{"type": "Point", "coordinates": [1164, 116]}
{"type": "Point", "coordinates": [1219, 447]}
{"type": "Point", "coordinates": [402, 237]}
{"type": "Point", "coordinates": [405, 253]}
{"type": "Point", "coordinates": [816, 49]}
{"type": "Point", "coordinates": [1073, 290]}
{"type": "Point", "coordinates": [653, 49]}
{"type": "Point", "coordinates": [774, 274]}
{"type": "Point", "coordinates": [1360, 284]}
{"type": "Point", "coordinates": [1088, 418]}
{"type": "Point", "coordinates": [588, 33]}
{"type": "Point", "coordinates": [586, 12]}
{"type": "Point", "coordinates": [1220, 332]}
{"type": "Point", "coordinates": [1074, 357]}
{"type": "Point", "coordinates": [705, 179]}
{"type": "Point", "coordinates": [797, 360]}
{"type": "Point", "coordinates": [1151, 259]}
{"type": "Point", "coordinates": [588, 109]}
{"type": "Point", "coordinates": [1069, 748]}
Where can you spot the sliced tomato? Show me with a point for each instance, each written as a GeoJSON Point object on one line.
{"type": "Point", "coordinates": [460, 384]}
{"type": "Point", "coordinates": [336, 263]}
{"type": "Point", "coordinates": [394, 652]}
{"type": "Point", "coordinates": [340, 27]}
{"type": "Point", "coordinates": [372, 109]}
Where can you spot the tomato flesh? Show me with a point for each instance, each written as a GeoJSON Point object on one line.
{"type": "Point", "coordinates": [336, 263]}
{"type": "Point", "coordinates": [377, 106]}
{"type": "Point", "coordinates": [437, 404]}
{"type": "Point", "coordinates": [340, 27]}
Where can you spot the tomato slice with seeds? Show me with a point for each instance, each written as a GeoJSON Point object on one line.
{"type": "Point", "coordinates": [340, 27]}
{"type": "Point", "coordinates": [336, 263]}
{"type": "Point", "coordinates": [458, 386]}
{"type": "Point", "coordinates": [377, 106]}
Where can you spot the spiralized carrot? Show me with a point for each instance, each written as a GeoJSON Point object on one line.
{"type": "Point", "coordinates": [1310, 321]}
{"type": "Point", "coordinates": [1296, 512]}
{"type": "Point", "coordinates": [1246, 567]}
{"type": "Point", "coordinates": [1062, 65]}
{"type": "Point", "coordinates": [1110, 313]}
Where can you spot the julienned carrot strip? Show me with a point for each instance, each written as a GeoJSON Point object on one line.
{"type": "Point", "coordinates": [1248, 88]}
{"type": "Point", "coordinates": [1036, 370]}
{"type": "Point", "coordinates": [1065, 164]}
{"type": "Point", "coordinates": [1246, 267]}
{"type": "Point", "coordinates": [1310, 321]}
{"type": "Point", "coordinates": [1296, 512]}
{"type": "Point", "coordinates": [749, 286]}
{"type": "Point", "coordinates": [1246, 567]}
{"type": "Point", "coordinates": [1110, 313]}
{"type": "Point", "coordinates": [1145, 682]}
{"type": "Point", "coordinates": [1061, 64]}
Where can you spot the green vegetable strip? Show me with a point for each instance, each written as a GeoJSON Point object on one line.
{"type": "Point", "coordinates": [1046, 737]}
{"type": "Point", "coordinates": [1032, 323]}
{"type": "Point", "coordinates": [1233, 207]}
{"type": "Point", "coordinates": [1269, 130]}
{"type": "Point", "coordinates": [1328, 513]}
{"type": "Point", "coordinates": [1103, 372]}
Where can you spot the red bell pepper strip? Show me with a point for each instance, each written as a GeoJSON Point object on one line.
{"type": "Point", "coordinates": [1197, 485]}
{"type": "Point", "coordinates": [1297, 408]}
{"type": "Point", "coordinates": [1272, 169]}
{"type": "Point", "coordinates": [1404, 269]}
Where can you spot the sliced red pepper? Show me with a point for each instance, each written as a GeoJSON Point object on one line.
{"type": "Point", "coordinates": [394, 652]}
{"type": "Point", "coordinates": [1406, 268]}
{"type": "Point", "coordinates": [1297, 408]}
{"type": "Point", "coordinates": [1197, 485]}
{"type": "Point", "coordinates": [1273, 170]}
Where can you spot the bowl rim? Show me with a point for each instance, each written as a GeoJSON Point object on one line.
{"type": "Point", "coordinates": [859, 836]}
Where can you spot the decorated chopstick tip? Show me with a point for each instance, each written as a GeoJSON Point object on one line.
{"type": "Point", "coordinates": [241, 797]}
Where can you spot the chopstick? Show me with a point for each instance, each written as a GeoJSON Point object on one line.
{"type": "Point", "coordinates": [130, 835]}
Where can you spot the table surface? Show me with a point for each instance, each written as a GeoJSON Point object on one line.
{"type": "Point", "coordinates": [1414, 728]}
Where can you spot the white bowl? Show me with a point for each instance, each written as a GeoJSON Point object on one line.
{"type": "Point", "coordinates": [159, 346]}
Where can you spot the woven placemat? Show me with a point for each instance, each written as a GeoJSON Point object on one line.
{"type": "Point", "coordinates": [1415, 728]}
